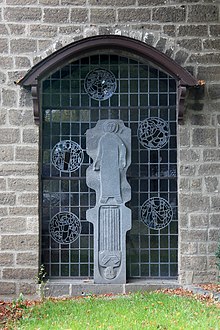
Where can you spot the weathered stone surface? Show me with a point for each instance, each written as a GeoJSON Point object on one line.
{"type": "Point", "coordinates": [26, 153]}
{"type": "Point", "coordinates": [214, 220]}
{"type": "Point", "coordinates": [22, 46]}
{"type": "Point", "coordinates": [203, 13]}
{"type": "Point", "coordinates": [102, 16]}
{"type": "Point", "coordinates": [181, 56]}
{"type": "Point", "coordinates": [190, 44]}
{"type": "Point", "coordinates": [199, 263]}
{"type": "Point", "coordinates": [9, 97]}
{"type": "Point", "coordinates": [22, 2]}
{"type": "Point", "coordinates": [19, 242]}
{"type": "Point", "coordinates": [13, 225]}
{"type": "Point", "coordinates": [16, 29]}
{"type": "Point", "coordinates": [79, 15]}
{"type": "Point", "coordinates": [22, 184]}
{"type": "Point", "coordinates": [22, 14]}
{"type": "Point", "coordinates": [212, 184]}
{"type": "Point", "coordinates": [28, 198]}
{"type": "Point", "coordinates": [6, 259]}
{"type": "Point", "coordinates": [22, 62]}
{"type": "Point", "coordinates": [190, 155]}
{"type": "Point", "coordinates": [109, 145]}
{"type": "Point", "coordinates": [18, 169]}
{"type": "Point", "coordinates": [53, 15]}
{"type": "Point", "coordinates": [194, 202]}
{"type": "Point", "coordinates": [9, 136]}
{"type": "Point", "coordinates": [19, 211]}
{"type": "Point", "coordinates": [188, 170]}
{"type": "Point", "coordinates": [184, 137]}
{"type": "Point", "coordinates": [214, 235]}
{"type": "Point", "coordinates": [58, 290]}
{"type": "Point", "coordinates": [209, 73]}
{"type": "Point", "coordinates": [215, 204]}
{"type": "Point", "coordinates": [184, 184]}
{"type": "Point", "coordinates": [6, 62]}
{"type": "Point", "coordinates": [6, 152]}
{"type": "Point", "coordinates": [27, 259]}
{"type": "Point", "coordinates": [212, 155]}
{"type": "Point", "coordinates": [199, 221]}
{"type": "Point", "coordinates": [214, 30]}
{"type": "Point", "coordinates": [20, 117]}
{"type": "Point", "coordinates": [209, 169]}
{"type": "Point", "coordinates": [193, 30]}
{"type": "Point", "coordinates": [196, 184]}
{"type": "Point", "coordinates": [45, 31]}
{"type": "Point", "coordinates": [169, 14]}
{"type": "Point", "coordinates": [4, 46]}
{"type": "Point", "coordinates": [19, 273]}
{"type": "Point", "coordinates": [49, 2]}
{"type": "Point", "coordinates": [207, 58]}
{"type": "Point", "coordinates": [211, 44]}
{"type": "Point", "coordinates": [133, 15]}
{"type": "Point", "coordinates": [7, 198]}
{"type": "Point", "coordinates": [30, 135]}
{"type": "Point", "coordinates": [201, 120]}
{"type": "Point", "coordinates": [2, 184]}
{"type": "Point", "coordinates": [204, 137]}
{"type": "Point", "coordinates": [7, 288]}
{"type": "Point", "coordinates": [123, 3]}
{"type": "Point", "coordinates": [27, 288]}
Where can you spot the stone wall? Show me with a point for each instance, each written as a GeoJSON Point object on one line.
{"type": "Point", "coordinates": [187, 31]}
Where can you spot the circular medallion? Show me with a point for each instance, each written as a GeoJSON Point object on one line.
{"type": "Point", "coordinates": [156, 213]}
{"type": "Point", "coordinates": [67, 156]}
{"type": "Point", "coordinates": [153, 133]}
{"type": "Point", "coordinates": [64, 227]}
{"type": "Point", "coordinates": [100, 84]}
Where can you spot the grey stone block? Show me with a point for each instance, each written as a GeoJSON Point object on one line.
{"type": "Point", "coordinates": [133, 15]}
{"type": "Point", "coordinates": [22, 14]}
{"type": "Point", "coordinates": [204, 137]}
{"type": "Point", "coordinates": [102, 16]}
{"type": "Point", "coordinates": [109, 146]}
{"type": "Point", "coordinates": [203, 13]}
{"type": "Point", "coordinates": [169, 14]}
{"type": "Point", "coordinates": [7, 288]}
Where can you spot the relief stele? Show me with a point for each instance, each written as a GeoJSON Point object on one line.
{"type": "Point", "coordinates": [109, 146]}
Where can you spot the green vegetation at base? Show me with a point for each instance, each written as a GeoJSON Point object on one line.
{"type": "Point", "coordinates": [155, 310]}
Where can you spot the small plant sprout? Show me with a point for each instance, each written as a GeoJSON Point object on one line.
{"type": "Point", "coordinates": [41, 281]}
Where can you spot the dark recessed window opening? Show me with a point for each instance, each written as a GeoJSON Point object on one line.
{"type": "Point", "coordinates": [72, 101]}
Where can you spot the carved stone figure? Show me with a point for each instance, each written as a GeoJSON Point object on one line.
{"type": "Point", "coordinates": [109, 146]}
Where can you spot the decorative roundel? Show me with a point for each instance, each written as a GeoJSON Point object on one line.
{"type": "Point", "coordinates": [153, 133]}
{"type": "Point", "coordinates": [64, 227]}
{"type": "Point", "coordinates": [156, 213]}
{"type": "Point", "coordinates": [67, 156]}
{"type": "Point", "coordinates": [100, 84]}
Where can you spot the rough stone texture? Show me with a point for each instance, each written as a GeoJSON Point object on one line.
{"type": "Point", "coordinates": [187, 31]}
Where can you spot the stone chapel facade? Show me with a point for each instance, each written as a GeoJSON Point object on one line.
{"type": "Point", "coordinates": [66, 67]}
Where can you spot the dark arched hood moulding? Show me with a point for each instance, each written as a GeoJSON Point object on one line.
{"type": "Point", "coordinates": [85, 46]}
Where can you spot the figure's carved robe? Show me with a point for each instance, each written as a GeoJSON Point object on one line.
{"type": "Point", "coordinates": [110, 159]}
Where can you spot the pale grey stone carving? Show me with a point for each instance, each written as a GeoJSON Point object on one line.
{"type": "Point", "coordinates": [109, 146]}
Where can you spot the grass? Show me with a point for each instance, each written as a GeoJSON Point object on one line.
{"type": "Point", "coordinates": [154, 310]}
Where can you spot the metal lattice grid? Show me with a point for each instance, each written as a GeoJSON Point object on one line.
{"type": "Point", "coordinates": [68, 111]}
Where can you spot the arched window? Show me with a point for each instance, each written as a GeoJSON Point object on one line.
{"type": "Point", "coordinates": [108, 78]}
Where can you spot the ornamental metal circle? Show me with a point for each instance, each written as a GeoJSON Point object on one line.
{"type": "Point", "coordinates": [153, 133]}
{"type": "Point", "coordinates": [65, 227]}
{"type": "Point", "coordinates": [67, 156]}
{"type": "Point", "coordinates": [156, 213]}
{"type": "Point", "coordinates": [100, 84]}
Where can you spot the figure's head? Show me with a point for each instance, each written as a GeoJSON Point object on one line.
{"type": "Point", "coordinates": [110, 126]}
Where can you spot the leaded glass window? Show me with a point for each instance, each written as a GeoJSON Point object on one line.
{"type": "Point", "coordinates": [74, 98]}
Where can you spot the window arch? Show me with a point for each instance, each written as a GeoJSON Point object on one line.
{"type": "Point", "coordinates": [144, 87]}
